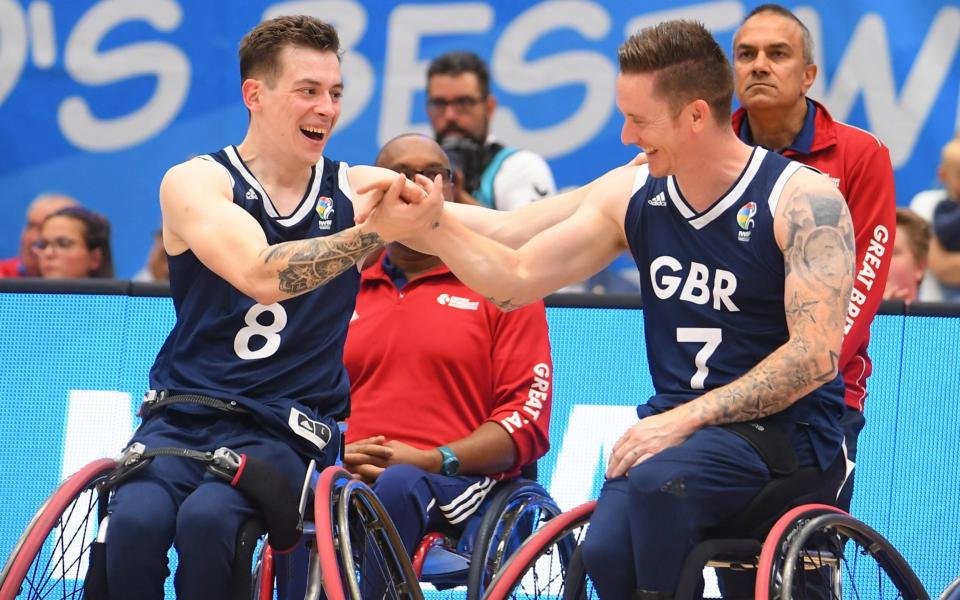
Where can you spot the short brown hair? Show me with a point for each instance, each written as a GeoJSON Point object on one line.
{"type": "Point", "coordinates": [260, 48]}
{"type": "Point", "coordinates": [918, 230]}
{"type": "Point", "coordinates": [687, 62]}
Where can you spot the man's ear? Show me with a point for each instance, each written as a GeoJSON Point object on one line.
{"type": "Point", "coordinates": [809, 76]}
{"type": "Point", "coordinates": [250, 90]}
{"type": "Point", "coordinates": [698, 112]}
{"type": "Point", "coordinates": [491, 104]}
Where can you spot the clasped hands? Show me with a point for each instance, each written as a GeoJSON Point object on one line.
{"type": "Point", "coordinates": [367, 458]}
{"type": "Point", "coordinates": [404, 210]}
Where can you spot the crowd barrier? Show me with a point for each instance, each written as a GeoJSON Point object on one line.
{"type": "Point", "coordinates": [74, 359]}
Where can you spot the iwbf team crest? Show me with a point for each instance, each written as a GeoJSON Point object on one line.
{"type": "Point", "coordinates": [325, 211]}
{"type": "Point", "coordinates": [745, 220]}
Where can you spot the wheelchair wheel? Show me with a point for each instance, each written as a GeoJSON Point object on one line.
{"type": "Point", "coordinates": [546, 565]}
{"type": "Point", "coordinates": [819, 551]}
{"type": "Point", "coordinates": [519, 508]}
{"type": "Point", "coordinates": [357, 542]}
{"type": "Point", "coordinates": [51, 558]}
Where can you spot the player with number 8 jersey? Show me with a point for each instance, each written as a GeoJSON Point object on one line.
{"type": "Point", "coordinates": [304, 334]}
{"type": "Point", "coordinates": [263, 240]}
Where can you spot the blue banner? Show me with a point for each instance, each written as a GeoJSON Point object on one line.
{"type": "Point", "coordinates": [98, 99]}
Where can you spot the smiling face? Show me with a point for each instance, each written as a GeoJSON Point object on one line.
{"type": "Point", "coordinates": [648, 122]}
{"type": "Point", "coordinates": [769, 67]}
{"type": "Point", "coordinates": [299, 105]}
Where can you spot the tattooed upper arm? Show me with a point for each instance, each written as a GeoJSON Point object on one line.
{"type": "Point", "coordinates": [815, 232]}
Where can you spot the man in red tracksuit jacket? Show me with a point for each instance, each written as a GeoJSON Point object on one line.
{"type": "Point", "coordinates": [449, 394]}
{"type": "Point", "coordinates": [773, 69]}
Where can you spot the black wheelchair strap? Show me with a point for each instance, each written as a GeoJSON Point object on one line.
{"type": "Point", "coordinates": [155, 399]}
{"type": "Point", "coordinates": [265, 486]}
{"type": "Point", "coordinates": [771, 444]}
{"type": "Point", "coordinates": [136, 457]}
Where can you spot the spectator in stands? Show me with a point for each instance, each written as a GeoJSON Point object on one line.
{"type": "Point", "coordinates": [460, 106]}
{"type": "Point", "coordinates": [156, 268]}
{"type": "Point", "coordinates": [909, 261]}
{"type": "Point", "coordinates": [448, 393]}
{"type": "Point", "coordinates": [27, 263]}
{"type": "Point", "coordinates": [773, 69]}
{"type": "Point", "coordinates": [945, 246]}
{"type": "Point", "coordinates": [74, 243]}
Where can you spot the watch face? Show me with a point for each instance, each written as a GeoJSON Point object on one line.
{"type": "Point", "coordinates": [451, 464]}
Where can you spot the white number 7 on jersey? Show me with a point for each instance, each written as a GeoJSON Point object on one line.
{"type": "Point", "coordinates": [710, 337]}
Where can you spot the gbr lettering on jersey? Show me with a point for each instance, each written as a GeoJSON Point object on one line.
{"type": "Point", "coordinates": [696, 283]}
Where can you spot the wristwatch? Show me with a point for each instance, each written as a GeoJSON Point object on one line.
{"type": "Point", "coordinates": [451, 464]}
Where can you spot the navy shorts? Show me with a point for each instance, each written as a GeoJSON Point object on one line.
{"type": "Point", "coordinates": [175, 501]}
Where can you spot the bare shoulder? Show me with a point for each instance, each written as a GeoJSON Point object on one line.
{"type": "Point", "coordinates": [193, 177]}
{"type": "Point", "coordinates": [188, 191]}
{"type": "Point", "coordinates": [809, 200]}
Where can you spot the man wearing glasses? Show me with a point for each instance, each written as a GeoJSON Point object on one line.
{"type": "Point", "coordinates": [460, 107]}
{"type": "Point", "coordinates": [448, 393]}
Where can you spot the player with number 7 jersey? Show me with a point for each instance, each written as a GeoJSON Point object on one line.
{"type": "Point", "coordinates": [713, 282]}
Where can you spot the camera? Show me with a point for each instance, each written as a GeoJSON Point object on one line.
{"type": "Point", "coordinates": [466, 156]}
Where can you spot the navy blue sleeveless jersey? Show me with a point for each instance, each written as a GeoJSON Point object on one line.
{"type": "Point", "coordinates": [283, 361]}
{"type": "Point", "coordinates": [713, 286]}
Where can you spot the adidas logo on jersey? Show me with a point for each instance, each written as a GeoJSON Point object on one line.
{"type": "Point", "coordinates": [251, 195]}
{"type": "Point", "coordinates": [658, 200]}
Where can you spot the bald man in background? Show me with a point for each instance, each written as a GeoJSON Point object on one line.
{"type": "Point", "coordinates": [439, 379]}
{"type": "Point", "coordinates": [26, 264]}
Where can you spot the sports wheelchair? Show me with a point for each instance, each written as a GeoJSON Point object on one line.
{"type": "Point", "coordinates": [350, 534]}
{"type": "Point", "coordinates": [470, 556]}
{"type": "Point", "coordinates": [811, 550]}
{"type": "Point", "coordinates": [60, 553]}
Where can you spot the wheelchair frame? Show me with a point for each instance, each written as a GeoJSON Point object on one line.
{"type": "Point", "coordinates": [792, 546]}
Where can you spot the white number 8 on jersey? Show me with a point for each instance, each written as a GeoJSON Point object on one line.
{"type": "Point", "coordinates": [271, 332]}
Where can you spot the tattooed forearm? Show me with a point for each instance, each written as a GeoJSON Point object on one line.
{"type": "Point", "coordinates": [307, 264]}
{"type": "Point", "coordinates": [770, 387]}
{"type": "Point", "coordinates": [818, 256]}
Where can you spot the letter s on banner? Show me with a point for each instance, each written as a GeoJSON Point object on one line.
{"type": "Point", "coordinates": [589, 69]}
{"type": "Point", "coordinates": [86, 65]}
{"type": "Point", "coordinates": [403, 73]}
{"type": "Point", "coordinates": [13, 45]}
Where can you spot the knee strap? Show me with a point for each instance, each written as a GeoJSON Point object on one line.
{"type": "Point", "coordinates": [771, 444]}
{"type": "Point", "coordinates": [271, 492]}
